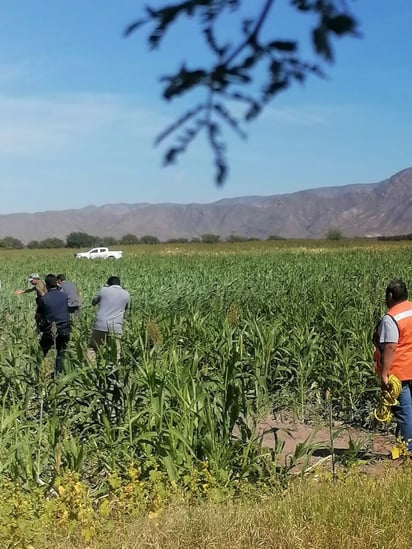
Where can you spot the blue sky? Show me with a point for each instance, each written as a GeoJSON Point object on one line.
{"type": "Point", "coordinates": [80, 107]}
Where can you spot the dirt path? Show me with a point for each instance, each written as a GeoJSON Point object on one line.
{"type": "Point", "coordinates": [370, 449]}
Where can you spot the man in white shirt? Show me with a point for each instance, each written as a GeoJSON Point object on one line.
{"type": "Point", "coordinates": [112, 301]}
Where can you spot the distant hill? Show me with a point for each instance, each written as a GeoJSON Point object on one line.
{"type": "Point", "coordinates": [372, 209]}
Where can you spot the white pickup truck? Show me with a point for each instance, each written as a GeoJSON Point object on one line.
{"type": "Point", "coordinates": [100, 253]}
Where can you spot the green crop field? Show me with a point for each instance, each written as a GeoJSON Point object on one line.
{"type": "Point", "coordinates": [217, 336]}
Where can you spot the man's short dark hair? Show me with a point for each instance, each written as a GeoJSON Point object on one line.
{"type": "Point", "coordinates": [113, 281]}
{"type": "Point", "coordinates": [397, 289]}
{"type": "Point", "coordinates": [61, 277]}
{"type": "Point", "coordinates": [51, 281]}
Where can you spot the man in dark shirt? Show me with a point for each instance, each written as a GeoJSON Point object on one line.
{"type": "Point", "coordinates": [53, 311]}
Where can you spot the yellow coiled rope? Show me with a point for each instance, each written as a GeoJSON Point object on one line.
{"type": "Point", "coordinates": [389, 398]}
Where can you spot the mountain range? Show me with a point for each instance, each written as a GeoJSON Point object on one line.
{"type": "Point", "coordinates": [370, 209]}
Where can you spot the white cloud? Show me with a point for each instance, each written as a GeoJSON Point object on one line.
{"type": "Point", "coordinates": [32, 126]}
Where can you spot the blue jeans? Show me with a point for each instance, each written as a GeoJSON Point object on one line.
{"type": "Point", "coordinates": [403, 414]}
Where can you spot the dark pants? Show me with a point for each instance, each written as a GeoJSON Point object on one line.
{"type": "Point", "coordinates": [48, 341]}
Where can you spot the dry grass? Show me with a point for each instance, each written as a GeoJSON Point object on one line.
{"type": "Point", "coordinates": [354, 513]}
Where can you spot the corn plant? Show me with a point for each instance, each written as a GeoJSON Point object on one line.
{"type": "Point", "coordinates": [213, 341]}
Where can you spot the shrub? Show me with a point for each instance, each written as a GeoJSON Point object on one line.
{"type": "Point", "coordinates": [210, 238]}
{"type": "Point", "coordinates": [334, 233]}
{"type": "Point", "coordinates": [11, 243]}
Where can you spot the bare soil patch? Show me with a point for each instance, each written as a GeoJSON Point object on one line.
{"type": "Point", "coordinates": [371, 450]}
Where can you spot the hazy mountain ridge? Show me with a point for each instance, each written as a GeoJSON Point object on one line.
{"type": "Point", "coordinates": [369, 209]}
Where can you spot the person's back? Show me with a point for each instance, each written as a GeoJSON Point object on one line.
{"type": "Point", "coordinates": [53, 307]}
{"type": "Point", "coordinates": [113, 301]}
{"type": "Point", "coordinates": [70, 289]}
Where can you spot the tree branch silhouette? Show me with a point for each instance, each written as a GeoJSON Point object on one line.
{"type": "Point", "coordinates": [235, 66]}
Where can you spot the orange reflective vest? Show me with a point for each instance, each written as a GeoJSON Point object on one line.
{"type": "Point", "coordinates": [402, 362]}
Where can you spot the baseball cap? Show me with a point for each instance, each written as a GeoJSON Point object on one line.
{"type": "Point", "coordinates": [33, 276]}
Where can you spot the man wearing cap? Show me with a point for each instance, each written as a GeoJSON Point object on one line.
{"type": "Point", "coordinates": [38, 286]}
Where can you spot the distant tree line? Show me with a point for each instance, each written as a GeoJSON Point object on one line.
{"type": "Point", "coordinates": [396, 237]}
{"type": "Point", "coordinates": [85, 240]}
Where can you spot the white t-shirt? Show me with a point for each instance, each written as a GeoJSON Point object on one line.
{"type": "Point", "coordinates": [113, 302]}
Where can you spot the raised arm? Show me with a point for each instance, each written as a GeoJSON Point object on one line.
{"type": "Point", "coordinates": [96, 298]}
{"type": "Point", "coordinates": [28, 290]}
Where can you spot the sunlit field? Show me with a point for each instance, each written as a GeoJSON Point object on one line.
{"type": "Point", "coordinates": [218, 336]}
